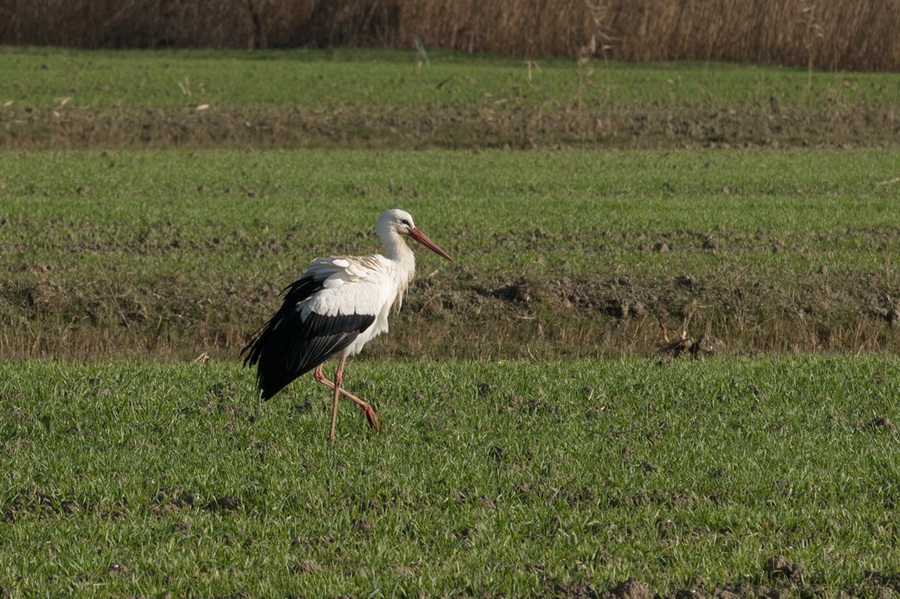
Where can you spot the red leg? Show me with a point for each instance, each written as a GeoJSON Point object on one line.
{"type": "Point", "coordinates": [370, 413]}
{"type": "Point", "coordinates": [338, 378]}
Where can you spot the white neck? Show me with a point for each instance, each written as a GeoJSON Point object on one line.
{"type": "Point", "coordinates": [399, 252]}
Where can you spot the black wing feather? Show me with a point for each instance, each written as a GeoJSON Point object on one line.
{"type": "Point", "coordinates": [287, 346]}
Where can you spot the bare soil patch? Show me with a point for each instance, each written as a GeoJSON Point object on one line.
{"type": "Point", "coordinates": [481, 317]}
{"type": "Point", "coordinates": [443, 126]}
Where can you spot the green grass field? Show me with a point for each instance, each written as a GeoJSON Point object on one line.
{"type": "Point", "coordinates": [344, 77]}
{"type": "Point", "coordinates": [535, 443]}
{"type": "Point", "coordinates": [392, 99]}
{"type": "Point", "coordinates": [126, 479]}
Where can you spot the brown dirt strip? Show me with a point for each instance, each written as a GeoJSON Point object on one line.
{"type": "Point", "coordinates": [451, 127]}
{"type": "Point", "coordinates": [471, 317]}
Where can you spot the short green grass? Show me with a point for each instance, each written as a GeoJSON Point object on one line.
{"type": "Point", "coordinates": [824, 207]}
{"type": "Point", "coordinates": [141, 479]}
{"type": "Point", "coordinates": [40, 77]}
{"type": "Point", "coordinates": [486, 478]}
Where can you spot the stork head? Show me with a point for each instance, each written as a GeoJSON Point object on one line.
{"type": "Point", "coordinates": [399, 222]}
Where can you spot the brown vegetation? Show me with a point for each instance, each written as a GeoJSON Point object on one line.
{"type": "Point", "coordinates": [478, 126]}
{"type": "Point", "coordinates": [833, 34]}
{"type": "Point", "coordinates": [64, 313]}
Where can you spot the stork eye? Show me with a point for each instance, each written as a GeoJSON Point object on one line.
{"type": "Point", "coordinates": [405, 222]}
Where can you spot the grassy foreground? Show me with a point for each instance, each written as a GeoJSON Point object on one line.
{"type": "Point", "coordinates": [563, 479]}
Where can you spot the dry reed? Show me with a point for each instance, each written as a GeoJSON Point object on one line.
{"type": "Point", "coordinates": [820, 34]}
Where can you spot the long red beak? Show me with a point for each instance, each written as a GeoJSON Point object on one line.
{"type": "Point", "coordinates": [423, 239]}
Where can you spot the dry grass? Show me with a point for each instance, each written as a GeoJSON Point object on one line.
{"type": "Point", "coordinates": [832, 35]}
{"type": "Point", "coordinates": [852, 125]}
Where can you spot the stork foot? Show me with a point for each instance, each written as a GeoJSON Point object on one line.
{"type": "Point", "coordinates": [370, 416]}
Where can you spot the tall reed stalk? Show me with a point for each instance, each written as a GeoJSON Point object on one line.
{"type": "Point", "coordinates": [832, 34]}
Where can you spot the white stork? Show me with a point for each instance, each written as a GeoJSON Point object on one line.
{"type": "Point", "coordinates": [336, 307]}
